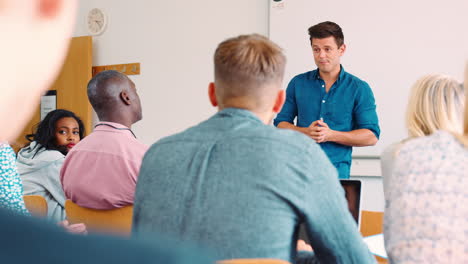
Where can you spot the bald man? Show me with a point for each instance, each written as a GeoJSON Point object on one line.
{"type": "Point", "coordinates": [101, 171]}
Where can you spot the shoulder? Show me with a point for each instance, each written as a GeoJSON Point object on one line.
{"type": "Point", "coordinates": [440, 143]}
{"type": "Point", "coordinates": [257, 135]}
{"type": "Point", "coordinates": [51, 155]}
{"type": "Point", "coordinates": [304, 76]}
{"type": "Point", "coordinates": [140, 145]}
{"type": "Point", "coordinates": [357, 83]}
{"type": "Point", "coordinates": [387, 162]}
{"type": "Point", "coordinates": [302, 82]}
{"type": "Point", "coordinates": [391, 151]}
{"type": "Point", "coordinates": [110, 142]}
{"type": "Point", "coordinates": [94, 140]}
{"type": "Point", "coordinates": [6, 151]}
{"type": "Point", "coordinates": [351, 77]}
{"type": "Point", "coordinates": [440, 152]}
{"type": "Point", "coordinates": [7, 160]}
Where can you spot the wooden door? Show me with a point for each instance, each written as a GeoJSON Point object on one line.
{"type": "Point", "coordinates": [70, 86]}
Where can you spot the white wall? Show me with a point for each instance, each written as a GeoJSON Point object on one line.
{"type": "Point", "coordinates": [174, 41]}
{"type": "Point", "coordinates": [368, 171]}
{"type": "Point", "coordinates": [390, 44]}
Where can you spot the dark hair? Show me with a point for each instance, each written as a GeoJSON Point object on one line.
{"type": "Point", "coordinates": [45, 130]}
{"type": "Point", "coordinates": [327, 29]}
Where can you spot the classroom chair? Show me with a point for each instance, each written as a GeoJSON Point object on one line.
{"type": "Point", "coordinates": [372, 224]}
{"type": "Point", "coordinates": [114, 221]}
{"type": "Point", "coordinates": [36, 205]}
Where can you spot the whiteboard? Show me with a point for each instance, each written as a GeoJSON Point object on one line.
{"type": "Point", "coordinates": [390, 44]}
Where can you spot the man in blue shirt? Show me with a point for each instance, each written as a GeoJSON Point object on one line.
{"type": "Point", "coordinates": [240, 187]}
{"type": "Point", "coordinates": [333, 107]}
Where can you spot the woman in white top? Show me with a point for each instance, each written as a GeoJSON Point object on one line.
{"type": "Point", "coordinates": [436, 103]}
{"type": "Point", "coordinates": [426, 178]}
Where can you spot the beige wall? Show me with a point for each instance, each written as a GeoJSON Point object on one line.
{"type": "Point", "coordinates": [174, 41]}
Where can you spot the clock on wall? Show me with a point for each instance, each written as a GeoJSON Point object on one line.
{"type": "Point", "coordinates": [97, 21]}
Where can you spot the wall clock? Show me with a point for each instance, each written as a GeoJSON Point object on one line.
{"type": "Point", "coordinates": [97, 21]}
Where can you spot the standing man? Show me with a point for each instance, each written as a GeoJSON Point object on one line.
{"type": "Point", "coordinates": [333, 107]}
{"type": "Point", "coordinates": [236, 185]}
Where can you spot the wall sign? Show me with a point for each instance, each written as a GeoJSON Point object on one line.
{"type": "Point", "coordinates": [48, 103]}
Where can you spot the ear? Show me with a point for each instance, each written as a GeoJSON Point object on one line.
{"type": "Point", "coordinates": [280, 98]}
{"type": "Point", "coordinates": [342, 49]}
{"type": "Point", "coordinates": [125, 98]}
{"type": "Point", "coordinates": [212, 94]}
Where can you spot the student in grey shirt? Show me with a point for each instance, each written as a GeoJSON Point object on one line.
{"type": "Point", "coordinates": [39, 163]}
{"type": "Point", "coordinates": [239, 186]}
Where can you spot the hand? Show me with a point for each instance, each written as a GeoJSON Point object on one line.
{"type": "Point", "coordinates": [303, 246]}
{"type": "Point", "coordinates": [320, 132]}
{"type": "Point", "coordinates": [74, 228]}
{"type": "Point", "coordinates": [310, 131]}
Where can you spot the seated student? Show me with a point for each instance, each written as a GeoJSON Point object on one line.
{"type": "Point", "coordinates": [40, 162]}
{"type": "Point", "coordinates": [35, 37]}
{"type": "Point", "coordinates": [102, 170]}
{"type": "Point", "coordinates": [11, 189]}
{"type": "Point", "coordinates": [427, 191]}
{"type": "Point", "coordinates": [239, 186]}
{"type": "Point", "coordinates": [436, 103]}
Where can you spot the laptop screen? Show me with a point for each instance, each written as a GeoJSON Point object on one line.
{"type": "Point", "coordinates": [352, 190]}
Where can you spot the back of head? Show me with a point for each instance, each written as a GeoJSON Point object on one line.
{"type": "Point", "coordinates": [104, 90]}
{"type": "Point", "coordinates": [327, 29]}
{"type": "Point", "coordinates": [248, 68]}
{"type": "Point", "coordinates": [436, 103]}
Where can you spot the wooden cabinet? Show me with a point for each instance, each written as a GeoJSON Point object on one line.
{"type": "Point", "coordinates": [70, 86]}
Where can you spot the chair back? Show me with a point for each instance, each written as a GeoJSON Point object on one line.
{"type": "Point", "coordinates": [371, 223]}
{"type": "Point", "coordinates": [36, 205]}
{"type": "Point", "coordinates": [114, 221]}
{"type": "Point", "coordinates": [253, 261]}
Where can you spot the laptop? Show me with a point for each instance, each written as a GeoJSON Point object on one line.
{"type": "Point", "coordinates": [353, 193]}
{"type": "Point", "coordinates": [352, 190]}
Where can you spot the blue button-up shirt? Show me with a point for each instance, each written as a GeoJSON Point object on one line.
{"type": "Point", "coordinates": [348, 105]}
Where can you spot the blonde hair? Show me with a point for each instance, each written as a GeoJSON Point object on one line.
{"type": "Point", "coordinates": [464, 138]}
{"type": "Point", "coordinates": [246, 66]}
{"type": "Point", "coordinates": [436, 103]}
